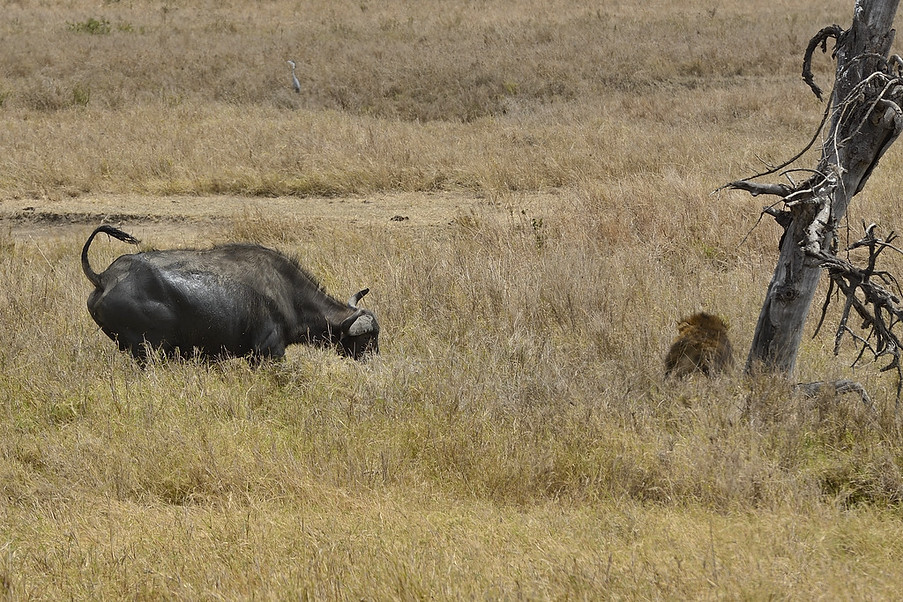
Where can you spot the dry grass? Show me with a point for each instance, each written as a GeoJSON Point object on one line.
{"type": "Point", "coordinates": [514, 96]}
{"type": "Point", "coordinates": [516, 437]}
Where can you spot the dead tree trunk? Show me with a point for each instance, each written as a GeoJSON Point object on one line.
{"type": "Point", "coordinates": [865, 118]}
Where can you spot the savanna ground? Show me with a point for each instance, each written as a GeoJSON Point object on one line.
{"type": "Point", "coordinates": [548, 166]}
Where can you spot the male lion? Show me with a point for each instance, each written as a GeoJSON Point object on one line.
{"type": "Point", "coordinates": [702, 345]}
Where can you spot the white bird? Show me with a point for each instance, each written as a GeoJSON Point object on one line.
{"type": "Point", "coordinates": [295, 83]}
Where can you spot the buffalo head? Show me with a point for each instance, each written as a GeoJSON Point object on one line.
{"type": "Point", "coordinates": [359, 333]}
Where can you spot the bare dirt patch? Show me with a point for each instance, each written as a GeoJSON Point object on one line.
{"type": "Point", "coordinates": [192, 215]}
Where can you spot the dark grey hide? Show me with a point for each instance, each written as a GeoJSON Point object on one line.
{"type": "Point", "coordinates": [231, 300]}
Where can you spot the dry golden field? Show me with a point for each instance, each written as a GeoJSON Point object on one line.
{"type": "Point", "coordinates": [549, 165]}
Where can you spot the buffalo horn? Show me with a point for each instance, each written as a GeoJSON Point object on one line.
{"type": "Point", "coordinates": [352, 301]}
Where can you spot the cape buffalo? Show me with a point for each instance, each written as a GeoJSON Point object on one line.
{"type": "Point", "coordinates": [230, 300]}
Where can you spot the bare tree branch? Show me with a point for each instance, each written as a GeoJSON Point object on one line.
{"type": "Point", "coordinates": [737, 184]}
{"type": "Point", "coordinates": [879, 308]}
{"type": "Point", "coordinates": [831, 31]}
{"type": "Point", "coordinates": [755, 188]}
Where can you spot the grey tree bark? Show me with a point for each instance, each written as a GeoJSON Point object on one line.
{"type": "Point", "coordinates": [865, 119]}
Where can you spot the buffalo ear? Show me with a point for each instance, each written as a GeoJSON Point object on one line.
{"type": "Point", "coordinates": [352, 301]}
